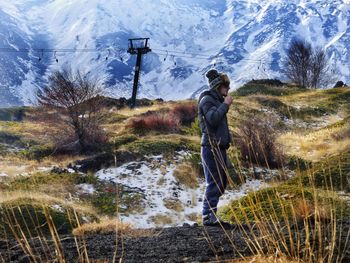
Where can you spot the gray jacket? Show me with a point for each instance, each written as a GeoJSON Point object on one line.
{"type": "Point", "coordinates": [213, 121]}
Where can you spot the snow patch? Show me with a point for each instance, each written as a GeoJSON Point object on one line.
{"type": "Point", "coordinates": [155, 178]}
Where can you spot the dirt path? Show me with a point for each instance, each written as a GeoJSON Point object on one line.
{"type": "Point", "coordinates": [176, 244]}
{"type": "Point", "coordinates": [180, 244]}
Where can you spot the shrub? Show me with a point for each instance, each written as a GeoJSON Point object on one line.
{"type": "Point", "coordinates": [186, 112]}
{"type": "Point", "coordinates": [38, 152]}
{"type": "Point", "coordinates": [155, 122]}
{"type": "Point", "coordinates": [95, 140]}
{"type": "Point", "coordinates": [339, 84]}
{"type": "Point", "coordinates": [124, 139]}
{"type": "Point", "coordinates": [12, 114]}
{"type": "Point", "coordinates": [194, 129]}
{"type": "Point", "coordinates": [8, 138]}
{"type": "Point", "coordinates": [270, 82]}
{"type": "Point", "coordinates": [297, 163]}
{"type": "Point", "coordinates": [256, 141]}
{"type": "Point", "coordinates": [267, 87]}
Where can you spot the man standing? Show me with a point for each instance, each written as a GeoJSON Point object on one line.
{"type": "Point", "coordinates": [213, 107]}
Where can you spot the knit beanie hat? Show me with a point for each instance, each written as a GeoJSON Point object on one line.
{"type": "Point", "coordinates": [215, 79]}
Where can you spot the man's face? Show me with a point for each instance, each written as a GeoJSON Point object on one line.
{"type": "Point", "coordinates": [223, 90]}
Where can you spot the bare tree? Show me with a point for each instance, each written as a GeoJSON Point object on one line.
{"type": "Point", "coordinates": [78, 101]}
{"type": "Point", "coordinates": [318, 68]}
{"type": "Point", "coordinates": [298, 61]}
{"type": "Point", "coordinates": [307, 66]}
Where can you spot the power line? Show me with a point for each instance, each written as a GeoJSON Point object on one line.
{"type": "Point", "coordinates": [162, 52]}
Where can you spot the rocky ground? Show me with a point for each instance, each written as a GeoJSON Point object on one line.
{"type": "Point", "coordinates": [177, 244]}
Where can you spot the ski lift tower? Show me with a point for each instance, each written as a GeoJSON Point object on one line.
{"type": "Point", "coordinates": [139, 47]}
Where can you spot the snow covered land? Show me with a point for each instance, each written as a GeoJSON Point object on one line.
{"type": "Point", "coordinates": [246, 38]}
{"type": "Point", "coordinates": [155, 179]}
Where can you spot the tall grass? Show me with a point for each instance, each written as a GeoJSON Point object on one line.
{"type": "Point", "coordinates": [299, 221]}
{"type": "Point", "coordinates": [295, 223]}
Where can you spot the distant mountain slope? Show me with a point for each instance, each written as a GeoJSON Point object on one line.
{"type": "Point", "coordinates": [245, 38]}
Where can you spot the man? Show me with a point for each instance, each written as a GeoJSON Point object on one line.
{"type": "Point", "coordinates": [213, 107]}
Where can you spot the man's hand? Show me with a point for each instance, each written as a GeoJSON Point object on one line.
{"type": "Point", "coordinates": [228, 100]}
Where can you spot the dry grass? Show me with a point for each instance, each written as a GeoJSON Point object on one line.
{"type": "Point", "coordinates": [140, 110]}
{"type": "Point", "coordinates": [16, 197]}
{"type": "Point", "coordinates": [305, 209]}
{"type": "Point", "coordinates": [161, 220]}
{"type": "Point", "coordinates": [185, 111]}
{"type": "Point", "coordinates": [161, 122]}
{"type": "Point", "coordinates": [29, 130]}
{"type": "Point", "coordinates": [187, 175]}
{"type": "Point", "coordinates": [314, 146]}
{"type": "Point", "coordinates": [161, 181]}
{"type": "Point", "coordinates": [174, 205]}
{"type": "Point", "coordinates": [266, 259]}
{"type": "Point", "coordinates": [111, 226]}
{"type": "Point", "coordinates": [195, 217]}
{"type": "Point", "coordinates": [16, 165]}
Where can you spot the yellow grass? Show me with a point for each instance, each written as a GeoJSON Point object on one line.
{"type": "Point", "coordinates": [15, 165]}
{"type": "Point", "coordinates": [175, 138]}
{"type": "Point", "coordinates": [306, 98]}
{"type": "Point", "coordinates": [16, 197]}
{"type": "Point", "coordinates": [139, 110]}
{"type": "Point", "coordinates": [109, 226]}
{"type": "Point", "coordinates": [265, 259]}
{"type": "Point", "coordinates": [313, 146]}
{"type": "Point", "coordinates": [187, 175]}
{"type": "Point", "coordinates": [173, 205]}
{"type": "Point", "coordinates": [29, 130]}
{"type": "Point", "coordinates": [161, 219]}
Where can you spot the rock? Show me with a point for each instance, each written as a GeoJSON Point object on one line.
{"type": "Point", "coordinates": [104, 160]}
{"type": "Point", "coordinates": [59, 170]}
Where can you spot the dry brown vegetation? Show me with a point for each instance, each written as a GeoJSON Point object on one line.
{"type": "Point", "coordinates": [312, 143]}
{"type": "Point", "coordinates": [186, 174]}
{"type": "Point", "coordinates": [111, 226]}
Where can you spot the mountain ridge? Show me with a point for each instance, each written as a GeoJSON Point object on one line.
{"type": "Point", "coordinates": [246, 39]}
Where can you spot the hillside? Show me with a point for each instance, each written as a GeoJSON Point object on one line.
{"type": "Point", "coordinates": [147, 175]}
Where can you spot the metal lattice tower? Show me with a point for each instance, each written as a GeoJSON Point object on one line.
{"type": "Point", "coordinates": [139, 47]}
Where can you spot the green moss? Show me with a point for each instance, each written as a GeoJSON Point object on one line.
{"type": "Point", "coordinates": [333, 174]}
{"type": "Point", "coordinates": [255, 87]}
{"type": "Point", "coordinates": [12, 114]}
{"type": "Point", "coordinates": [31, 218]}
{"type": "Point", "coordinates": [115, 118]}
{"type": "Point", "coordinates": [297, 163]}
{"type": "Point", "coordinates": [124, 139]}
{"type": "Point", "coordinates": [292, 112]}
{"type": "Point", "coordinates": [128, 202]}
{"type": "Point", "coordinates": [105, 202]}
{"type": "Point", "coordinates": [335, 99]}
{"type": "Point", "coordinates": [38, 152]}
{"type": "Point", "coordinates": [6, 137]}
{"type": "Point", "coordinates": [37, 179]}
{"type": "Point", "coordinates": [278, 203]}
{"type": "Point", "coordinates": [195, 160]}
{"type": "Point", "coordinates": [194, 129]}
{"type": "Point", "coordinates": [161, 146]}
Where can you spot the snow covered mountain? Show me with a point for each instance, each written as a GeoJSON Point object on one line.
{"type": "Point", "coordinates": [245, 38]}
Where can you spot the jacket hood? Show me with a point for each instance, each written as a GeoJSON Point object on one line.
{"type": "Point", "coordinates": [212, 93]}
